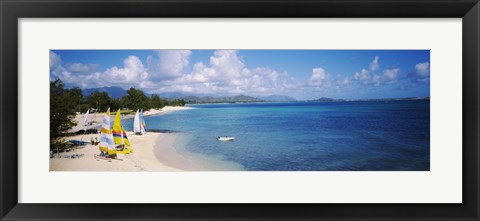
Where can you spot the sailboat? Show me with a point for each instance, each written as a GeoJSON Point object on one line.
{"type": "Point", "coordinates": [86, 124]}
{"type": "Point", "coordinates": [85, 120]}
{"type": "Point", "coordinates": [120, 136]}
{"type": "Point", "coordinates": [107, 145]}
{"type": "Point", "coordinates": [138, 123]}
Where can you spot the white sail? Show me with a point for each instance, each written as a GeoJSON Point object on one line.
{"type": "Point", "coordinates": [106, 138]}
{"type": "Point", "coordinates": [85, 120]}
{"type": "Point", "coordinates": [136, 123]}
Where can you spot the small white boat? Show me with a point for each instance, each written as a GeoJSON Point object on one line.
{"type": "Point", "coordinates": [225, 138]}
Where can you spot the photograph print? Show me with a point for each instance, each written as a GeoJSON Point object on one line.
{"type": "Point", "coordinates": [239, 110]}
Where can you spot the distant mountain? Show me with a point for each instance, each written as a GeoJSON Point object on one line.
{"type": "Point", "coordinates": [114, 92]}
{"type": "Point", "coordinates": [210, 99]}
{"type": "Point", "coordinates": [399, 99]}
{"type": "Point", "coordinates": [244, 98]}
{"type": "Point", "coordinates": [173, 95]}
{"type": "Point", "coordinates": [326, 99]}
{"type": "Point", "coordinates": [278, 98]}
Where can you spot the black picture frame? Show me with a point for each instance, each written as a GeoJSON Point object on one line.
{"type": "Point", "coordinates": [12, 10]}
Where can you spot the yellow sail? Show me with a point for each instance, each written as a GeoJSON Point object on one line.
{"type": "Point", "coordinates": [117, 129]}
{"type": "Point", "coordinates": [119, 135]}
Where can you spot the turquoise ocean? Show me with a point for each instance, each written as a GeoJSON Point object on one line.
{"type": "Point", "coordinates": [305, 136]}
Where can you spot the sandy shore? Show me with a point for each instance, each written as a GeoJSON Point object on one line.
{"type": "Point", "coordinates": [142, 159]}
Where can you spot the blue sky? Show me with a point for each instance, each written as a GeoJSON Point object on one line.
{"type": "Point", "coordinates": [302, 74]}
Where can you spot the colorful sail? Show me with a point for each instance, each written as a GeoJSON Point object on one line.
{"type": "Point", "coordinates": [117, 129]}
{"type": "Point", "coordinates": [119, 134]}
{"type": "Point", "coordinates": [125, 138]}
{"type": "Point", "coordinates": [107, 143]}
{"type": "Point", "coordinates": [143, 126]}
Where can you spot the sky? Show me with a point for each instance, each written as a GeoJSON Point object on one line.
{"type": "Point", "coordinates": [301, 74]}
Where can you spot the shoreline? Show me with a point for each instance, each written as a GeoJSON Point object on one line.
{"type": "Point", "coordinates": [170, 149]}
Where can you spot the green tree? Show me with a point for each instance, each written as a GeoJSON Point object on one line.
{"type": "Point", "coordinates": [176, 102]}
{"type": "Point", "coordinates": [136, 99]}
{"type": "Point", "coordinates": [100, 100]}
{"type": "Point", "coordinates": [75, 94]}
{"type": "Point", "coordinates": [115, 104]}
{"type": "Point", "coordinates": [157, 102]}
{"type": "Point", "coordinates": [84, 107]}
{"type": "Point", "coordinates": [63, 105]}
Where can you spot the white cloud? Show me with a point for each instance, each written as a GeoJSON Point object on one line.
{"type": "Point", "coordinates": [56, 68]}
{"type": "Point", "coordinates": [365, 74]}
{"type": "Point", "coordinates": [346, 81]}
{"type": "Point", "coordinates": [81, 68]}
{"type": "Point", "coordinates": [170, 64]}
{"type": "Point", "coordinates": [226, 73]}
{"type": "Point", "coordinates": [389, 76]}
{"type": "Point", "coordinates": [374, 65]}
{"type": "Point", "coordinates": [362, 75]}
{"type": "Point", "coordinates": [318, 77]}
{"type": "Point", "coordinates": [422, 71]}
{"type": "Point", "coordinates": [227, 62]}
{"type": "Point", "coordinates": [131, 74]}
{"type": "Point", "coordinates": [376, 80]}
{"type": "Point", "coordinates": [55, 60]}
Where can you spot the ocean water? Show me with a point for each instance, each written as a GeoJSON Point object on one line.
{"type": "Point", "coordinates": [307, 136]}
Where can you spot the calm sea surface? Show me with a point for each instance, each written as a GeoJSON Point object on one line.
{"type": "Point", "coordinates": [307, 136]}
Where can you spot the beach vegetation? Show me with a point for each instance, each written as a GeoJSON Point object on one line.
{"type": "Point", "coordinates": [115, 103]}
{"type": "Point", "coordinates": [136, 99]}
{"type": "Point", "coordinates": [157, 102]}
{"type": "Point", "coordinates": [99, 100]}
{"type": "Point", "coordinates": [177, 102]}
{"type": "Point", "coordinates": [63, 106]}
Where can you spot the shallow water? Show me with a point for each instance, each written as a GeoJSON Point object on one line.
{"type": "Point", "coordinates": [307, 136]}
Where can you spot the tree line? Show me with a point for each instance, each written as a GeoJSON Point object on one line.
{"type": "Point", "coordinates": [133, 100]}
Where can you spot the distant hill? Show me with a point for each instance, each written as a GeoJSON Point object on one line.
{"type": "Point", "coordinates": [114, 92]}
{"type": "Point", "coordinates": [210, 99]}
{"type": "Point", "coordinates": [398, 99]}
{"type": "Point", "coordinates": [326, 99]}
{"type": "Point", "coordinates": [278, 98]}
{"type": "Point", "coordinates": [173, 95]}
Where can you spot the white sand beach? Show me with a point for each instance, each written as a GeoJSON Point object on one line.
{"type": "Point", "coordinates": [142, 159]}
